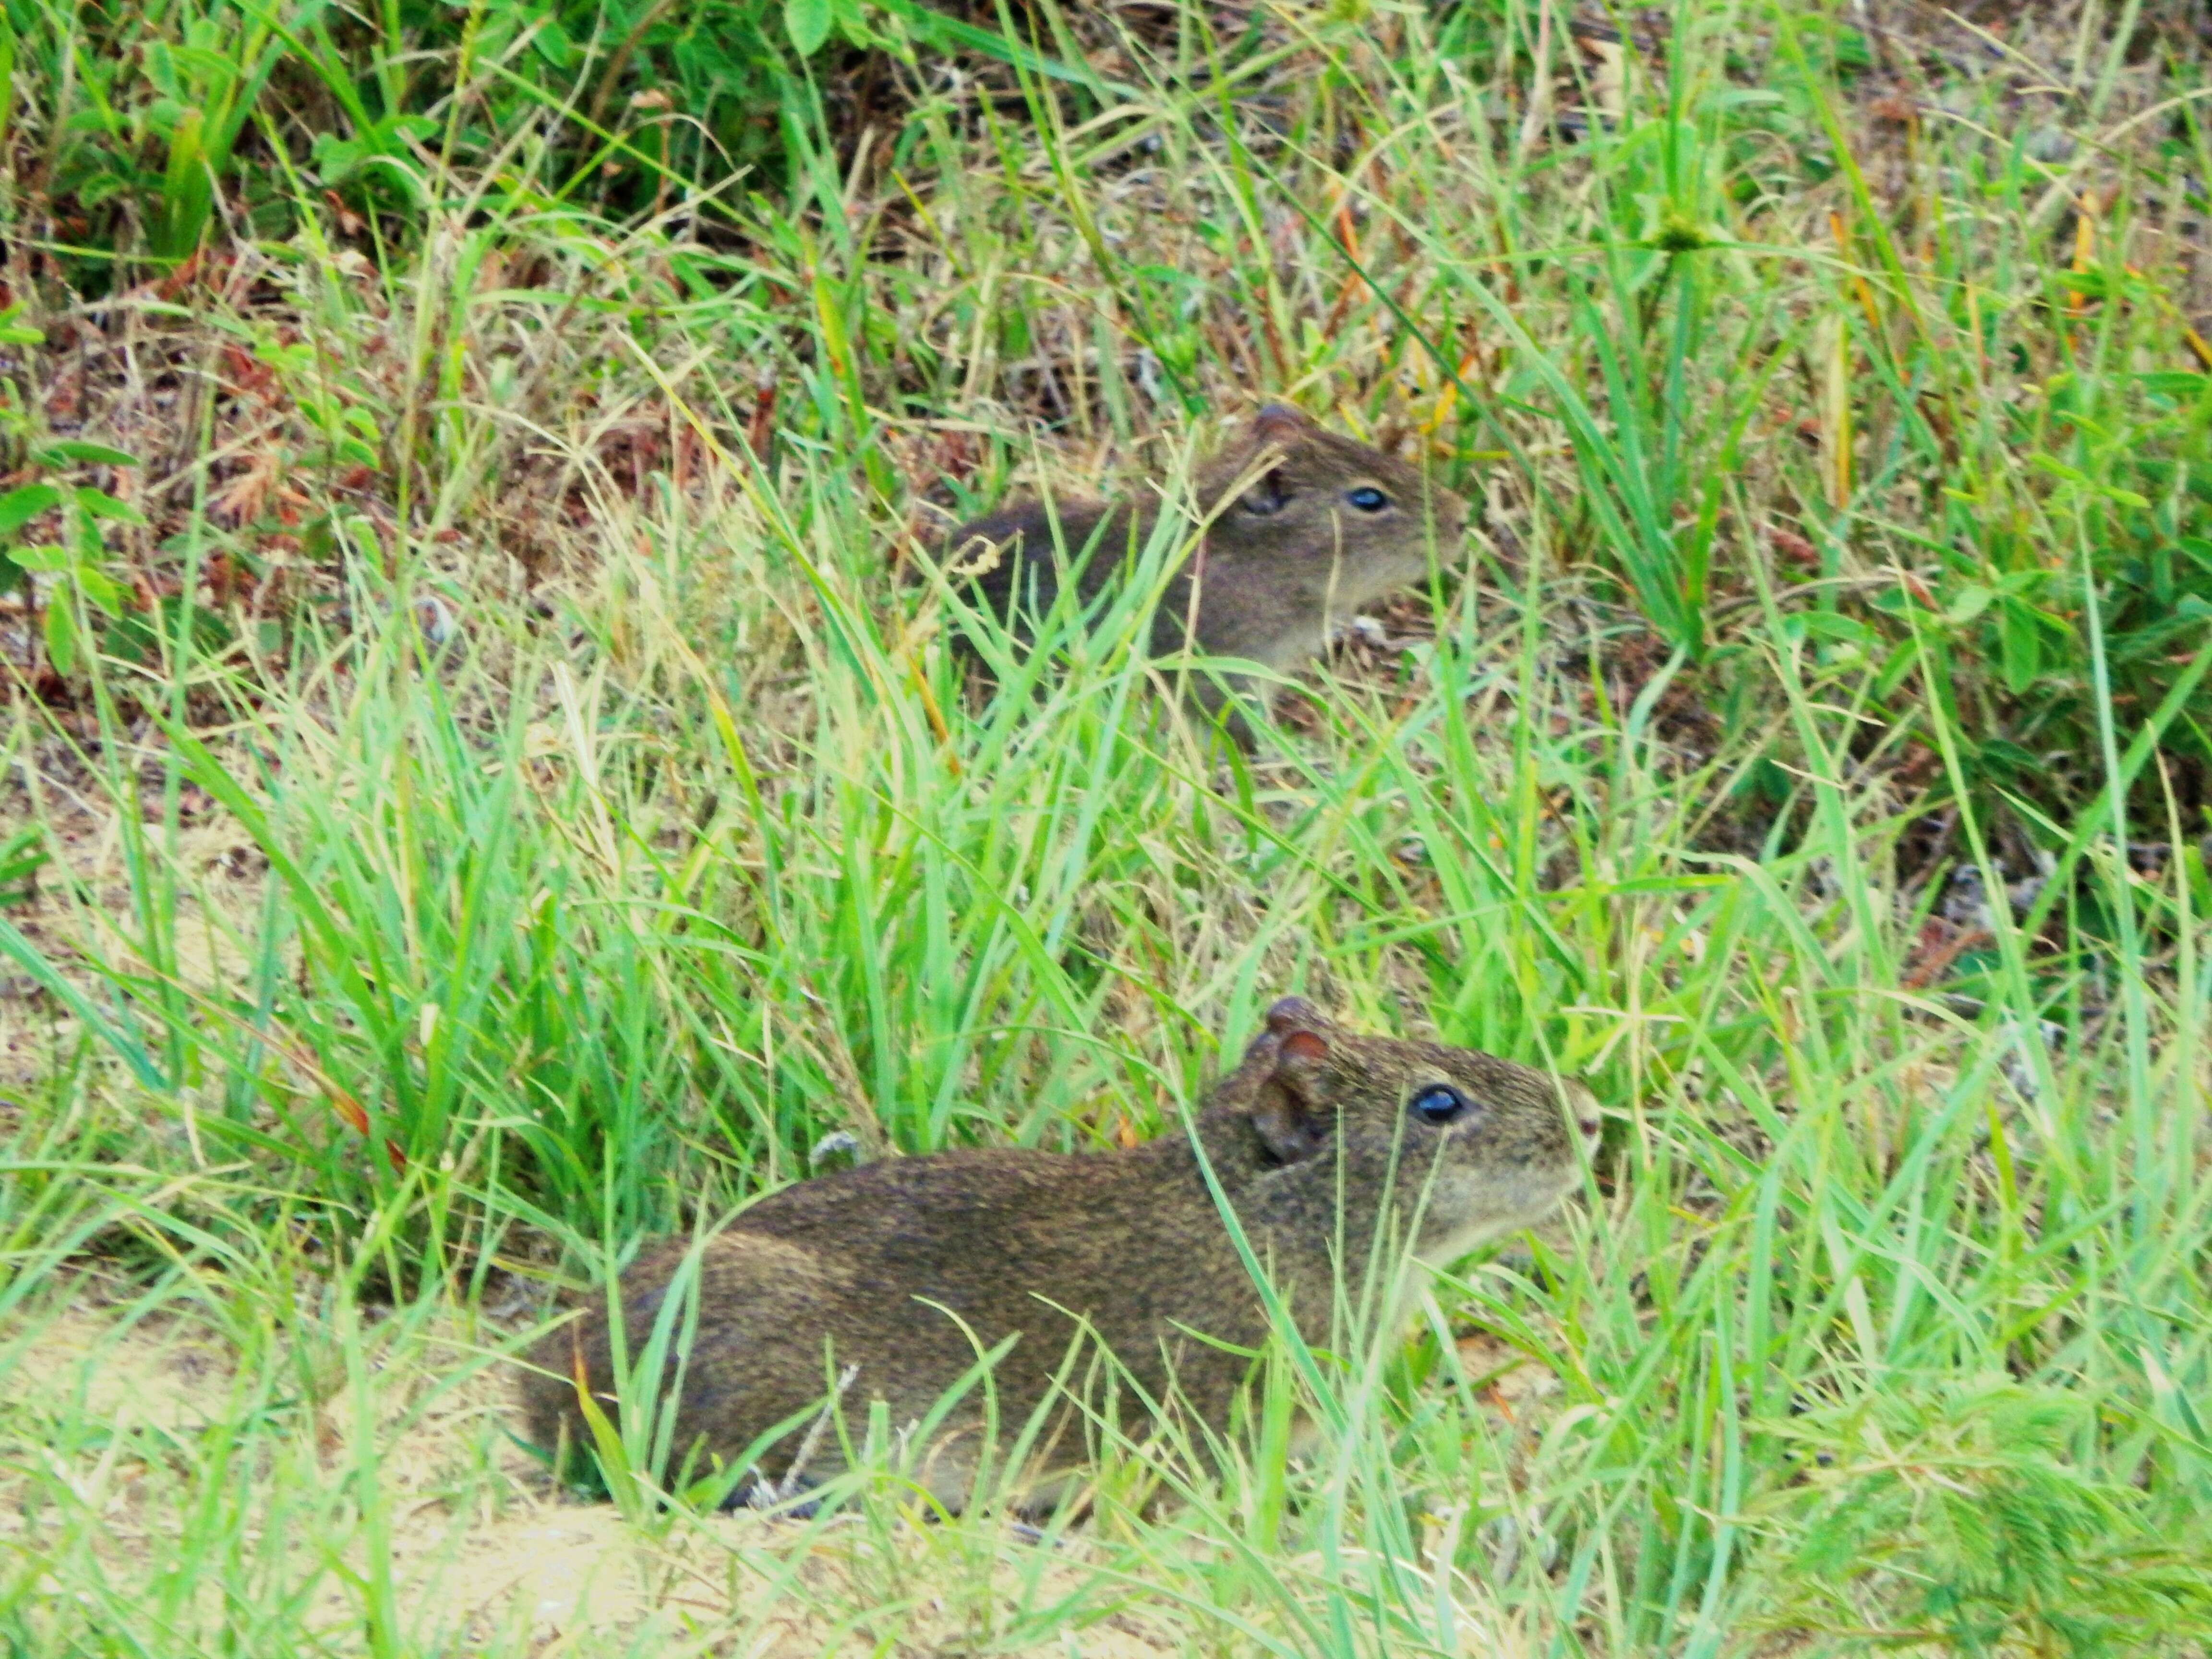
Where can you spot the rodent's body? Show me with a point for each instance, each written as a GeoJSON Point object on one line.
{"type": "Point", "coordinates": [1312, 1142]}
{"type": "Point", "coordinates": [1302, 529]}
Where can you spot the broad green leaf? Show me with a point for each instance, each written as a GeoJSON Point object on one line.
{"type": "Point", "coordinates": [61, 636]}
{"type": "Point", "coordinates": [13, 332]}
{"type": "Point", "coordinates": [1831, 625]}
{"type": "Point", "coordinates": [2175, 383]}
{"type": "Point", "coordinates": [101, 505]}
{"type": "Point", "coordinates": [807, 22]}
{"type": "Point", "coordinates": [102, 589]}
{"type": "Point", "coordinates": [19, 507]}
{"type": "Point", "coordinates": [1971, 602]}
{"type": "Point", "coordinates": [552, 42]}
{"type": "Point", "coordinates": [76, 452]}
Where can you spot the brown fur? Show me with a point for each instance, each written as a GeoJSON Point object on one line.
{"type": "Point", "coordinates": [1284, 558]}
{"type": "Point", "coordinates": [1306, 1137]}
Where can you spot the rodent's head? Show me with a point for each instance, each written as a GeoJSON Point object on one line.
{"type": "Point", "coordinates": [1467, 1144]}
{"type": "Point", "coordinates": [1311, 497]}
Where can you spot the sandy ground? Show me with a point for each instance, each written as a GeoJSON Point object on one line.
{"type": "Point", "coordinates": [482, 1550]}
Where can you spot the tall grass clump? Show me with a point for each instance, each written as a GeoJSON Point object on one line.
{"type": "Point", "coordinates": [508, 788]}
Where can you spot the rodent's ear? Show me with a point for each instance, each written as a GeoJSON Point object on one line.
{"type": "Point", "coordinates": [1288, 1130]}
{"type": "Point", "coordinates": [1285, 1111]}
{"type": "Point", "coordinates": [1268, 495]}
{"type": "Point", "coordinates": [1279, 424]}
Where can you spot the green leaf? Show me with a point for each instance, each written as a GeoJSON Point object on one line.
{"type": "Point", "coordinates": [103, 186]}
{"type": "Point", "coordinates": [61, 636]}
{"type": "Point", "coordinates": [161, 60]}
{"type": "Point", "coordinates": [2058, 469]}
{"type": "Point", "coordinates": [552, 42]}
{"type": "Point", "coordinates": [2082, 481]}
{"type": "Point", "coordinates": [102, 589]}
{"type": "Point", "coordinates": [21, 855]}
{"type": "Point", "coordinates": [1901, 661]}
{"type": "Point", "coordinates": [807, 22]}
{"type": "Point", "coordinates": [852, 21]}
{"type": "Point", "coordinates": [2175, 383]}
{"type": "Point", "coordinates": [1829, 625]}
{"type": "Point", "coordinates": [2007, 758]}
{"type": "Point", "coordinates": [1971, 602]}
{"type": "Point", "coordinates": [28, 958]}
{"type": "Point", "coordinates": [2021, 643]}
{"type": "Point", "coordinates": [46, 556]}
{"type": "Point", "coordinates": [19, 507]}
{"type": "Point", "coordinates": [73, 451]}
{"type": "Point", "coordinates": [101, 505]}
{"type": "Point", "coordinates": [187, 190]}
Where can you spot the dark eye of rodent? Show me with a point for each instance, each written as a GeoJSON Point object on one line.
{"type": "Point", "coordinates": [1439, 1104]}
{"type": "Point", "coordinates": [1367, 498]}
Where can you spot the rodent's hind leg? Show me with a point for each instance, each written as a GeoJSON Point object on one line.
{"type": "Point", "coordinates": [1030, 1533]}
{"type": "Point", "coordinates": [769, 1497]}
{"type": "Point", "coordinates": [1066, 1494]}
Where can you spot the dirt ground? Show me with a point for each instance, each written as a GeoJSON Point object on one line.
{"type": "Point", "coordinates": [481, 1547]}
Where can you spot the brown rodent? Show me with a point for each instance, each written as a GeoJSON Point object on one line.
{"type": "Point", "coordinates": [1303, 528]}
{"type": "Point", "coordinates": [1327, 1145]}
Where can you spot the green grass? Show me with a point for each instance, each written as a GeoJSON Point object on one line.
{"type": "Point", "coordinates": [1846, 546]}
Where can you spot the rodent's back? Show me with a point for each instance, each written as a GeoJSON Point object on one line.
{"type": "Point", "coordinates": [1014, 559]}
{"type": "Point", "coordinates": [904, 1267]}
